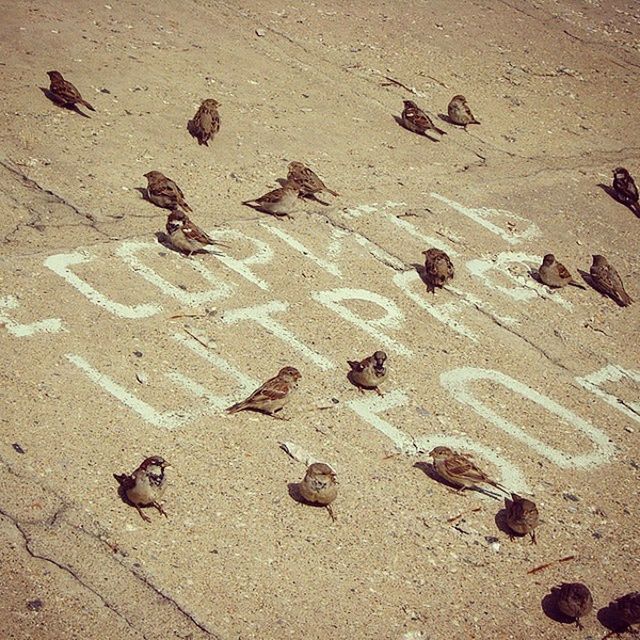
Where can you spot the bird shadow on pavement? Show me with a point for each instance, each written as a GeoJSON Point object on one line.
{"type": "Point", "coordinates": [550, 609]}
{"type": "Point", "coordinates": [610, 618]}
{"type": "Point", "coordinates": [429, 470]}
{"type": "Point", "coordinates": [445, 118]}
{"type": "Point", "coordinates": [143, 192]}
{"type": "Point", "coordinates": [501, 523]}
{"type": "Point", "coordinates": [68, 107]}
{"type": "Point", "coordinates": [586, 276]}
{"type": "Point", "coordinates": [611, 192]}
{"type": "Point", "coordinates": [398, 120]}
{"type": "Point", "coordinates": [421, 272]}
{"type": "Point", "coordinates": [294, 493]}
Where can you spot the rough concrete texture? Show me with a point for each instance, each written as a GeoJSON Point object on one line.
{"type": "Point", "coordinates": [116, 347]}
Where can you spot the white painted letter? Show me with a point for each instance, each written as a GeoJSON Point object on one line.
{"type": "Point", "coordinates": [457, 382]}
{"type": "Point", "coordinates": [393, 316]}
{"type": "Point", "coordinates": [60, 264]}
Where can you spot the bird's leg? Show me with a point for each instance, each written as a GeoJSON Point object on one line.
{"type": "Point", "coordinates": [145, 517]}
{"type": "Point", "coordinates": [278, 417]}
{"type": "Point", "coordinates": [379, 392]}
{"type": "Point", "coordinates": [533, 537]}
{"type": "Point", "coordinates": [330, 510]}
{"type": "Point", "coordinates": [160, 508]}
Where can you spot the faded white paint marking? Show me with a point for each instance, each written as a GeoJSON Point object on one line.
{"type": "Point", "coordinates": [527, 289]}
{"type": "Point", "coordinates": [49, 325]}
{"type": "Point", "coordinates": [510, 475]}
{"type": "Point", "coordinates": [442, 312]}
{"type": "Point", "coordinates": [458, 383]}
{"type": "Point", "coordinates": [60, 264]}
{"type": "Point", "coordinates": [261, 314]}
{"type": "Point", "coordinates": [247, 383]}
{"type": "Point", "coordinates": [612, 373]}
{"type": "Point", "coordinates": [481, 216]}
{"type": "Point", "coordinates": [477, 303]}
{"type": "Point", "coordinates": [166, 419]}
{"type": "Point", "coordinates": [429, 241]}
{"type": "Point", "coordinates": [330, 267]}
{"type": "Point", "coordinates": [128, 252]}
{"type": "Point", "coordinates": [262, 255]}
{"type": "Point", "coordinates": [379, 252]}
{"type": "Point", "coordinates": [369, 407]}
{"type": "Point", "coordinates": [392, 318]}
{"type": "Point", "coordinates": [364, 209]}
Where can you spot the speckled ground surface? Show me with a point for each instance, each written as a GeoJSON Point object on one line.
{"type": "Point", "coordinates": [116, 348]}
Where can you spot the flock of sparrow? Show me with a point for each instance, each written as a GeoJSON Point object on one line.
{"type": "Point", "coordinates": [146, 486]}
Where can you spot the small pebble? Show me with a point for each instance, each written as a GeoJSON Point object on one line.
{"type": "Point", "coordinates": [571, 496]}
{"type": "Point", "coordinates": [35, 605]}
{"type": "Point", "coordinates": [18, 448]}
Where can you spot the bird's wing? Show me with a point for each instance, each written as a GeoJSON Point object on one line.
{"type": "Point", "coordinates": [193, 232]}
{"type": "Point", "coordinates": [459, 465]}
{"type": "Point", "coordinates": [274, 389]}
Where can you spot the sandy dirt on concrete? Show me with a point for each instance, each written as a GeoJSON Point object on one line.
{"type": "Point", "coordinates": [116, 347]}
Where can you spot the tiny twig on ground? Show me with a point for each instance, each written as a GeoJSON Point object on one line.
{"type": "Point", "coordinates": [550, 564]}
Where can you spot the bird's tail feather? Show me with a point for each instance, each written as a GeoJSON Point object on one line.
{"type": "Point", "coordinates": [86, 104]}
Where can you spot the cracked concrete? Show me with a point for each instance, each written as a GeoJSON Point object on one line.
{"type": "Point", "coordinates": [238, 557]}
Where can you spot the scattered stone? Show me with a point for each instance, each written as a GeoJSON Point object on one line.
{"type": "Point", "coordinates": [138, 354]}
{"type": "Point", "coordinates": [18, 448]}
{"type": "Point", "coordinates": [35, 605]}
{"type": "Point", "coordinates": [571, 497]}
{"type": "Point", "coordinates": [261, 33]}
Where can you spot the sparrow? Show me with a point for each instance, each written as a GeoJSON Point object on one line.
{"type": "Point", "coordinates": [146, 485]}
{"type": "Point", "coordinates": [606, 280]}
{"type": "Point", "coordinates": [306, 180]}
{"type": "Point", "coordinates": [272, 395]}
{"type": "Point", "coordinates": [522, 516]}
{"type": "Point", "coordinates": [457, 469]}
{"type": "Point", "coordinates": [186, 236]}
{"type": "Point", "coordinates": [574, 600]}
{"type": "Point", "coordinates": [438, 268]}
{"type": "Point", "coordinates": [625, 188]}
{"type": "Point", "coordinates": [164, 192]}
{"type": "Point", "coordinates": [63, 92]}
{"type": "Point", "coordinates": [416, 120]}
{"type": "Point", "coordinates": [279, 202]}
{"type": "Point", "coordinates": [206, 122]}
{"type": "Point", "coordinates": [627, 608]}
{"type": "Point", "coordinates": [370, 372]}
{"type": "Point", "coordinates": [319, 486]}
{"type": "Point", "coordinates": [554, 274]}
{"type": "Point", "coordinates": [459, 112]}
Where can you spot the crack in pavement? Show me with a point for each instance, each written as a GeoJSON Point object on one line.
{"type": "Point", "coordinates": [66, 569]}
{"type": "Point", "coordinates": [34, 186]}
{"type": "Point", "coordinates": [59, 519]}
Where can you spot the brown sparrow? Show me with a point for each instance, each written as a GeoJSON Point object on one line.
{"type": "Point", "coordinates": [574, 600]}
{"type": "Point", "coordinates": [627, 608]}
{"type": "Point", "coordinates": [625, 189]}
{"type": "Point", "coordinates": [146, 485]}
{"type": "Point", "coordinates": [416, 120]}
{"type": "Point", "coordinates": [457, 469]}
{"type": "Point", "coordinates": [370, 372]}
{"type": "Point", "coordinates": [459, 112]}
{"type": "Point", "coordinates": [606, 280]}
{"type": "Point", "coordinates": [554, 274]}
{"type": "Point", "coordinates": [319, 486]}
{"type": "Point", "coordinates": [438, 268]}
{"type": "Point", "coordinates": [206, 122]}
{"type": "Point", "coordinates": [272, 395]}
{"type": "Point", "coordinates": [186, 236]}
{"type": "Point", "coordinates": [522, 516]}
{"type": "Point", "coordinates": [306, 180]}
{"type": "Point", "coordinates": [63, 92]}
{"type": "Point", "coordinates": [164, 192]}
{"type": "Point", "coordinates": [279, 202]}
